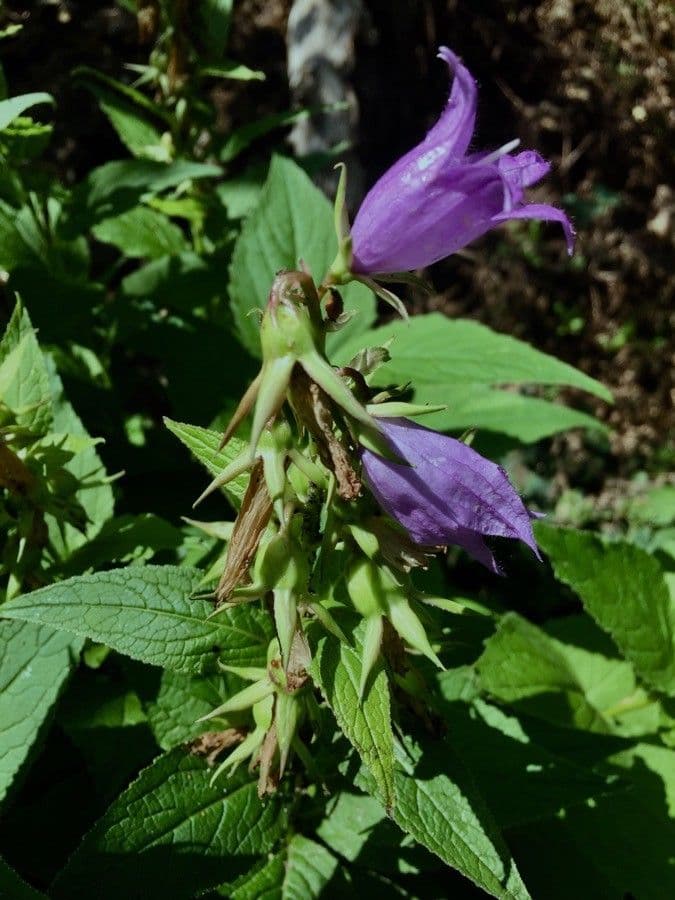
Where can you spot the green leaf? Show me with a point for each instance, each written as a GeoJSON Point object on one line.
{"type": "Point", "coordinates": [624, 590]}
{"type": "Point", "coordinates": [293, 221]}
{"type": "Point", "coordinates": [129, 112]}
{"type": "Point", "coordinates": [526, 419]}
{"type": "Point", "coordinates": [123, 539]}
{"type": "Point", "coordinates": [521, 663]}
{"type": "Point", "coordinates": [437, 803]}
{"type": "Point", "coordinates": [301, 872]}
{"type": "Point", "coordinates": [179, 703]}
{"type": "Point", "coordinates": [181, 834]}
{"type": "Point", "coordinates": [262, 882]}
{"type": "Point", "coordinates": [655, 508]}
{"type": "Point", "coordinates": [232, 70]}
{"type": "Point", "coordinates": [15, 106]}
{"type": "Point", "coordinates": [35, 663]}
{"type": "Point", "coordinates": [619, 846]}
{"type": "Point", "coordinates": [141, 232]}
{"type": "Point", "coordinates": [434, 351]}
{"type": "Point", "coordinates": [309, 868]}
{"type": "Point", "coordinates": [14, 888]}
{"type": "Point", "coordinates": [147, 612]}
{"type": "Point", "coordinates": [243, 137]}
{"type": "Point", "coordinates": [118, 186]}
{"type": "Point", "coordinates": [530, 783]}
{"type": "Point", "coordinates": [178, 281]}
{"type": "Point", "coordinates": [24, 379]}
{"type": "Point", "coordinates": [336, 669]}
{"type": "Point", "coordinates": [350, 823]}
{"type": "Point", "coordinates": [203, 443]}
{"type": "Point", "coordinates": [95, 493]}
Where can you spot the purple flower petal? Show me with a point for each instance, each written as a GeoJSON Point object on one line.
{"type": "Point", "coordinates": [455, 127]}
{"type": "Point", "coordinates": [436, 199]}
{"type": "Point", "coordinates": [448, 493]}
{"type": "Point", "coordinates": [545, 213]}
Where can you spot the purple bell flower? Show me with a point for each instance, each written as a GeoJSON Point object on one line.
{"type": "Point", "coordinates": [437, 198]}
{"type": "Point", "coordinates": [448, 494]}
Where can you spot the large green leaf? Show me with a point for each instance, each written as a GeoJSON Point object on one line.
{"type": "Point", "coordinates": [336, 669]}
{"type": "Point", "coordinates": [523, 664]}
{"type": "Point", "coordinates": [147, 612]}
{"type": "Point", "coordinates": [24, 379]}
{"type": "Point", "coordinates": [527, 419]}
{"type": "Point", "coordinates": [118, 186]}
{"type": "Point", "coordinates": [12, 108]}
{"type": "Point", "coordinates": [176, 832]}
{"type": "Point", "coordinates": [35, 663]}
{"type": "Point", "coordinates": [432, 350]}
{"type": "Point", "coordinates": [438, 804]}
{"type": "Point", "coordinates": [204, 444]}
{"type": "Point", "coordinates": [142, 232]}
{"type": "Point", "coordinates": [624, 590]}
{"type": "Point", "coordinates": [293, 221]}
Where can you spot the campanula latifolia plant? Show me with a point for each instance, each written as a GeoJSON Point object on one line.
{"type": "Point", "coordinates": [368, 660]}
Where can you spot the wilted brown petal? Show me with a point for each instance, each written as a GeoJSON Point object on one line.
{"type": "Point", "coordinates": [255, 512]}
{"type": "Point", "coordinates": [212, 743]}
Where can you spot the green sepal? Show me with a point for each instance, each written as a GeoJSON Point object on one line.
{"type": "Point", "coordinates": [397, 409]}
{"type": "Point", "coordinates": [285, 619]}
{"type": "Point", "coordinates": [244, 699]}
{"type": "Point", "coordinates": [286, 717]}
{"type": "Point", "coordinates": [408, 625]}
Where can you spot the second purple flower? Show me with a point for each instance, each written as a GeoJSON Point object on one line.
{"type": "Point", "coordinates": [448, 494]}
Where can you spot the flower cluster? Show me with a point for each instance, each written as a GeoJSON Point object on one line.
{"type": "Point", "coordinates": [340, 473]}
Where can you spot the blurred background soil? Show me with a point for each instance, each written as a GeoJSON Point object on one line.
{"type": "Point", "coordinates": [587, 83]}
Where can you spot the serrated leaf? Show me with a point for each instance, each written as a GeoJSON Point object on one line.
{"type": "Point", "coordinates": [147, 612]}
{"type": "Point", "coordinates": [292, 221]}
{"type": "Point", "coordinates": [204, 445]}
{"type": "Point", "coordinates": [438, 804]}
{"type": "Point", "coordinates": [336, 669]}
{"type": "Point", "coordinates": [35, 663]}
{"type": "Point", "coordinates": [24, 379]}
{"type": "Point", "coordinates": [623, 588]}
{"type": "Point", "coordinates": [12, 887]}
{"type": "Point", "coordinates": [142, 232]}
{"type": "Point", "coordinates": [15, 106]}
{"type": "Point", "coordinates": [116, 187]}
{"type": "Point", "coordinates": [182, 834]}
